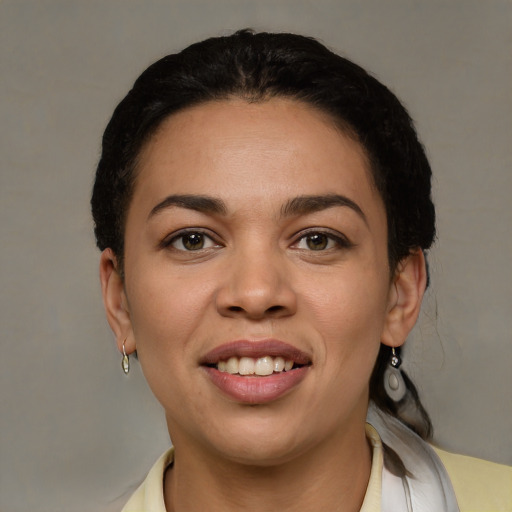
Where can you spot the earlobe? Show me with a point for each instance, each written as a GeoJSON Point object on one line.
{"type": "Point", "coordinates": [115, 302]}
{"type": "Point", "coordinates": [405, 297]}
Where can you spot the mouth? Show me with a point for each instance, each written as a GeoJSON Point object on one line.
{"type": "Point", "coordinates": [256, 372]}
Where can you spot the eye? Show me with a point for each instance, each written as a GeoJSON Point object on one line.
{"type": "Point", "coordinates": [191, 241]}
{"type": "Point", "coordinates": [320, 241]}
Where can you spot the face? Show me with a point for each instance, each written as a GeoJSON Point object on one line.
{"type": "Point", "coordinates": [255, 240]}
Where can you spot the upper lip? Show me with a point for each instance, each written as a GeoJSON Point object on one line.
{"type": "Point", "coordinates": [256, 349]}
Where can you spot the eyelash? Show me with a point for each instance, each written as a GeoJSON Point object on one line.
{"type": "Point", "coordinates": [181, 235]}
{"type": "Point", "coordinates": [340, 241]}
{"type": "Point", "coordinates": [328, 237]}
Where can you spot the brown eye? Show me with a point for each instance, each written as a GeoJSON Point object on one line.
{"type": "Point", "coordinates": [322, 241]}
{"type": "Point", "coordinates": [193, 241]}
{"type": "Point", "coordinates": [317, 241]}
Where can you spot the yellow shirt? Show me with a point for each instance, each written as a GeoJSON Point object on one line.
{"type": "Point", "coordinates": [480, 486]}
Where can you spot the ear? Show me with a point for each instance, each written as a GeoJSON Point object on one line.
{"type": "Point", "coordinates": [115, 301]}
{"type": "Point", "coordinates": [405, 297]}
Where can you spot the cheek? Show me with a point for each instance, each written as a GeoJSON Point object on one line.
{"type": "Point", "coordinates": [165, 311]}
{"type": "Point", "coordinates": [349, 313]}
{"type": "Point", "coordinates": [357, 301]}
{"type": "Point", "coordinates": [165, 317]}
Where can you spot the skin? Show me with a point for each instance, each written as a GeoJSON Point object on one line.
{"type": "Point", "coordinates": [258, 277]}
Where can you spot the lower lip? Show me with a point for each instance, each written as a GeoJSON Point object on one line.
{"type": "Point", "coordinates": [254, 389]}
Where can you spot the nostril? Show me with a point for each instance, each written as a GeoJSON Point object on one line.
{"type": "Point", "coordinates": [271, 309]}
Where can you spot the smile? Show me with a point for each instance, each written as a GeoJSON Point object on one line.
{"type": "Point", "coordinates": [256, 372]}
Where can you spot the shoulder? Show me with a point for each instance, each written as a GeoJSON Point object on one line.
{"type": "Point", "coordinates": [149, 497]}
{"type": "Point", "coordinates": [480, 486]}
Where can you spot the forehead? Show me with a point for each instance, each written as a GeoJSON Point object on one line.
{"type": "Point", "coordinates": [276, 142]}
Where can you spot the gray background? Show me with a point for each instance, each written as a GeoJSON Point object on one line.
{"type": "Point", "coordinates": [75, 433]}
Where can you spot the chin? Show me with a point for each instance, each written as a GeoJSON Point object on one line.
{"type": "Point", "coordinates": [261, 441]}
{"type": "Point", "coordinates": [260, 453]}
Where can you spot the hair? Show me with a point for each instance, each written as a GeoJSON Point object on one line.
{"type": "Point", "coordinates": [258, 67]}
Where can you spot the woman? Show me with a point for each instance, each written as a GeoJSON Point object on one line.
{"type": "Point", "coordinates": [263, 207]}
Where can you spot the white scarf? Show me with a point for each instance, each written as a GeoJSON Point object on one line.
{"type": "Point", "coordinates": [427, 486]}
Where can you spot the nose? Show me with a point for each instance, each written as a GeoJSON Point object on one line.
{"type": "Point", "coordinates": [256, 286]}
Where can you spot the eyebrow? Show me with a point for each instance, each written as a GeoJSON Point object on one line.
{"type": "Point", "coordinates": [203, 204]}
{"type": "Point", "coordinates": [303, 205]}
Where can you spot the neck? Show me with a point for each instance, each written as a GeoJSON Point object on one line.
{"type": "Point", "coordinates": [332, 476]}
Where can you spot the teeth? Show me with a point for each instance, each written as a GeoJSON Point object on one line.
{"type": "Point", "coordinates": [246, 366]}
{"type": "Point", "coordinates": [249, 366]}
{"type": "Point", "coordinates": [279, 364]}
{"type": "Point", "coordinates": [264, 366]}
{"type": "Point", "coordinates": [232, 365]}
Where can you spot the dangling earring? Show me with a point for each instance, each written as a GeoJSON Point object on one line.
{"type": "Point", "coordinates": [394, 383]}
{"type": "Point", "coordinates": [125, 362]}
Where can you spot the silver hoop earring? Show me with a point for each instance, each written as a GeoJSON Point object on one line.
{"type": "Point", "coordinates": [394, 383]}
{"type": "Point", "coordinates": [125, 362]}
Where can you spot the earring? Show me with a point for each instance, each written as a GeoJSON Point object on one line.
{"type": "Point", "coordinates": [394, 383]}
{"type": "Point", "coordinates": [125, 362]}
